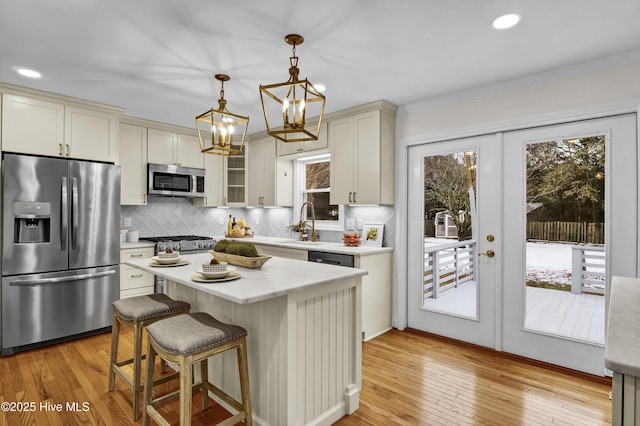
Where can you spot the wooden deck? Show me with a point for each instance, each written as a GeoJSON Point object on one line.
{"type": "Point", "coordinates": [575, 316]}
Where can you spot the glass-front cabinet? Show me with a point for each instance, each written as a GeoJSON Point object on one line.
{"type": "Point", "coordinates": [235, 175]}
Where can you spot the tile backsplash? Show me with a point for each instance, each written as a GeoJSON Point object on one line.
{"type": "Point", "coordinates": [163, 216]}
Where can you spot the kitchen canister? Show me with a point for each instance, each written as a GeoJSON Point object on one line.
{"type": "Point", "coordinates": [132, 236]}
{"type": "Point", "coordinates": [123, 234]}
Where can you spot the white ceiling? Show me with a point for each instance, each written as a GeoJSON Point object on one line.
{"type": "Point", "coordinates": [156, 58]}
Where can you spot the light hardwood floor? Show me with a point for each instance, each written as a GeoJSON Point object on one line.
{"type": "Point", "coordinates": [409, 378]}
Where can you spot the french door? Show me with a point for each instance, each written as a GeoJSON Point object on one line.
{"type": "Point", "coordinates": [570, 332]}
{"type": "Point", "coordinates": [502, 285]}
{"type": "Point", "coordinates": [452, 290]}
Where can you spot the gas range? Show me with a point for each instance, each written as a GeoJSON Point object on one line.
{"type": "Point", "coordinates": [182, 243]}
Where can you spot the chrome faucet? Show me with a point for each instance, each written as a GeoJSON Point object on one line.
{"type": "Point", "coordinates": [314, 234]}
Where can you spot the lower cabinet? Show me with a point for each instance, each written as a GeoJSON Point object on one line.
{"type": "Point", "coordinates": [376, 293]}
{"type": "Point", "coordinates": [133, 281]}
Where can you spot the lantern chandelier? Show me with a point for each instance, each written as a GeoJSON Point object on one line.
{"type": "Point", "coordinates": [287, 105]}
{"type": "Point", "coordinates": [219, 130]}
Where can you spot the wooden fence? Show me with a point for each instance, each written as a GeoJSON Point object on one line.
{"type": "Point", "coordinates": [573, 232]}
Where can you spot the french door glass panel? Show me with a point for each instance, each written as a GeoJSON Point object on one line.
{"type": "Point", "coordinates": [590, 158]}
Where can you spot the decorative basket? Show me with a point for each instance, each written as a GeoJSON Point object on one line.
{"type": "Point", "coordinates": [220, 267]}
{"type": "Point", "coordinates": [245, 262]}
{"type": "Point", "coordinates": [165, 255]}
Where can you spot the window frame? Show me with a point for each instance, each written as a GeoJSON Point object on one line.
{"type": "Point", "coordinates": [299, 188]}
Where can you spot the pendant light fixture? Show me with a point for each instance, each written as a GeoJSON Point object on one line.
{"type": "Point", "coordinates": [290, 108]}
{"type": "Point", "coordinates": [220, 131]}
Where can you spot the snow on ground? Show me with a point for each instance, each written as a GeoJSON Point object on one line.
{"type": "Point", "coordinates": [550, 262]}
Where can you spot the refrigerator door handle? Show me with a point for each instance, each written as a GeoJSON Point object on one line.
{"type": "Point", "coordinates": [62, 279]}
{"type": "Point", "coordinates": [64, 222]}
{"type": "Point", "coordinates": [74, 214]}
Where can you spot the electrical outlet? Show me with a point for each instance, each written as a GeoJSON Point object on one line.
{"type": "Point", "coordinates": [127, 222]}
{"type": "Point", "coordinates": [256, 220]}
{"type": "Point", "coordinates": [350, 224]}
{"type": "Point", "coordinates": [220, 221]}
{"type": "Point", "coordinates": [359, 224]}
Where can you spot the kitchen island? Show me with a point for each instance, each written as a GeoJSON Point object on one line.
{"type": "Point", "coordinates": [304, 326]}
{"type": "Point", "coordinates": [622, 349]}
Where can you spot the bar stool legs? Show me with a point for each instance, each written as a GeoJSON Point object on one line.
{"type": "Point", "coordinates": [137, 313]}
{"type": "Point", "coordinates": [191, 339]}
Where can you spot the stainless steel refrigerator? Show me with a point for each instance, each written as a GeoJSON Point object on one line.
{"type": "Point", "coordinates": [60, 251]}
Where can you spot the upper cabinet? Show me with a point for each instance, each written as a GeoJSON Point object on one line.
{"type": "Point", "coordinates": [290, 148]}
{"type": "Point", "coordinates": [44, 126]}
{"type": "Point", "coordinates": [362, 149]}
{"type": "Point", "coordinates": [133, 162]}
{"type": "Point", "coordinates": [270, 178]}
{"type": "Point", "coordinates": [166, 147]}
{"type": "Point", "coordinates": [213, 182]}
{"type": "Point", "coordinates": [235, 180]}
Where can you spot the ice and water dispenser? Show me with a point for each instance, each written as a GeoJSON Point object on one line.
{"type": "Point", "coordinates": [32, 222]}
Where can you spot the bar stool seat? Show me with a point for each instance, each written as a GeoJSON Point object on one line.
{"type": "Point", "coordinates": [186, 340]}
{"type": "Point", "coordinates": [138, 312]}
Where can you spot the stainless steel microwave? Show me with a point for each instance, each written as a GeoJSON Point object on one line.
{"type": "Point", "coordinates": [176, 181]}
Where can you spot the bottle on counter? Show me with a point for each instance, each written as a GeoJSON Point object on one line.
{"type": "Point", "coordinates": [229, 226]}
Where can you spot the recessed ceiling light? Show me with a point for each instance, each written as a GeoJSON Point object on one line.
{"type": "Point", "coordinates": [506, 21]}
{"type": "Point", "coordinates": [26, 72]}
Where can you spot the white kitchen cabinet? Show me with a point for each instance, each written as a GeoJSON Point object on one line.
{"type": "Point", "coordinates": [189, 153]}
{"type": "Point", "coordinates": [162, 147]}
{"type": "Point", "coordinates": [290, 148]}
{"type": "Point", "coordinates": [166, 147]}
{"type": "Point", "coordinates": [262, 172]}
{"type": "Point", "coordinates": [235, 180]}
{"type": "Point", "coordinates": [133, 162]}
{"type": "Point", "coordinates": [362, 150]}
{"type": "Point", "coordinates": [376, 293]}
{"type": "Point", "coordinates": [213, 182]}
{"type": "Point", "coordinates": [90, 135]}
{"type": "Point", "coordinates": [270, 177]}
{"type": "Point", "coordinates": [33, 125]}
{"type": "Point", "coordinates": [133, 281]}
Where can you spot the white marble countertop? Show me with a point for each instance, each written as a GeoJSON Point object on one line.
{"type": "Point", "coordinates": [277, 277]}
{"type": "Point", "coordinates": [623, 330]}
{"type": "Point", "coordinates": [308, 245]}
{"type": "Point", "coordinates": [141, 244]}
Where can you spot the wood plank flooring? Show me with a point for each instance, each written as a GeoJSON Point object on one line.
{"type": "Point", "coordinates": [409, 378]}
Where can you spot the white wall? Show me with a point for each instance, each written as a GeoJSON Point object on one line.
{"type": "Point", "coordinates": [606, 87]}
{"type": "Point", "coordinates": [581, 86]}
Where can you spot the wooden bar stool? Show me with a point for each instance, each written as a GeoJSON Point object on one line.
{"type": "Point", "coordinates": [138, 312]}
{"type": "Point", "coordinates": [186, 340]}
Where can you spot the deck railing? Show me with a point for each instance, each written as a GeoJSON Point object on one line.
{"type": "Point", "coordinates": [447, 266]}
{"type": "Point", "coordinates": [587, 269]}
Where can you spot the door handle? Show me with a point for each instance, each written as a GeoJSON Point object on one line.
{"type": "Point", "coordinates": [54, 280]}
{"type": "Point", "coordinates": [64, 226]}
{"type": "Point", "coordinates": [74, 214]}
{"type": "Point", "coordinates": [488, 253]}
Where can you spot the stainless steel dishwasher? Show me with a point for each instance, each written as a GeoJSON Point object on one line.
{"type": "Point", "coordinates": [331, 258]}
